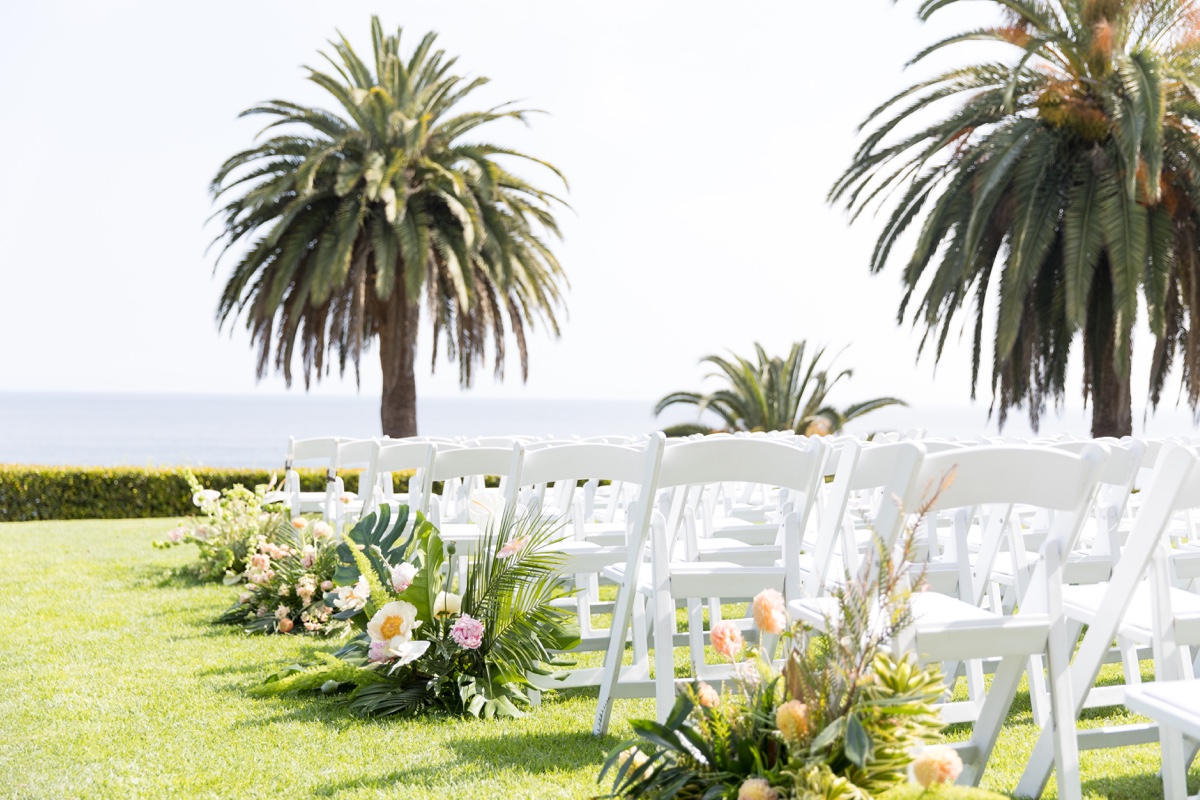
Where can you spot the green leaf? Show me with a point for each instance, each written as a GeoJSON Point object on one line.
{"type": "Point", "coordinates": [859, 747]}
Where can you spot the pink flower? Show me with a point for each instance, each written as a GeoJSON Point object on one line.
{"type": "Point", "coordinates": [707, 695]}
{"type": "Point", "coordinates": [377, 652]}
{"type": "Point", "coordinates": [769, 614]}
{"type": "Point", "coordinates": [176, 535]}
{"type": "Point", "coordinates": [310, 556]}
{"type": "Point", "coordinates": [512, 548]}
{"type": "Point", "coordinates": [727, 639]}
{"type": "Point", "coordinates": [757, 789]}
{"type": "Point", "coordinates": [326, 586]}
{"type": "Point", "coordinates": [467, 632]}
{"type": "Point", "coordinates": [260, 561]}
{"type": "Point", "coordinates": [937, 764]}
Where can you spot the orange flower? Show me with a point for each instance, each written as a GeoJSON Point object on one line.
{"type": "Point", "coordinates": [707, 695]}
{"type": "Point", "coordinates": [791, 719]}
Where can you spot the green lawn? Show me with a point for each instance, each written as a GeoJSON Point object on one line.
{"type": "Point", "coordinates": [115, 684]}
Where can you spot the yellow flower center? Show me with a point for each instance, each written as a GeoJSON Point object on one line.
{"type": "Point", "coordinates": [391, 627]}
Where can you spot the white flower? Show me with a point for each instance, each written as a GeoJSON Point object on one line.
{"type": "Point", "coordinates": [406, 652]}
{"type": "Point", "coordinates": [485, 508]}
{"type": "Point", "coordinates": [402, 576]}
{"type": "Point", "coordinates": [447, 604]}
{"type": "Point", "coordinates": [282, 612]}
{"type": "Point", "coordinates": [394, 623]}
{"type": "Point", "coordinates": [353, 596]}
{"type": "Point", "coordinates": [205, 496]}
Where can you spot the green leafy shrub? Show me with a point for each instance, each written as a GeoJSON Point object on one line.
{"type": "Point", "coordinates": [32, 492]}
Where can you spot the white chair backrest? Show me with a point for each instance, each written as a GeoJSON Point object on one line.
{"type": "Point", "coordinates": [462, 470]}
{"type": "Point", "coordinates": [566, 464]}
{"type": "Point", "coordinates": [402, 457]}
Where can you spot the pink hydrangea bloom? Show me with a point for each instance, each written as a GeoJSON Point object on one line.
{"type": "Point", "coordinates": [467, 632]}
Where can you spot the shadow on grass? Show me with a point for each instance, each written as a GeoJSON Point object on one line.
{"type": "Point", "coordinates": [479, 758]}
{"type": "Point", "coordinates": [150, 576]}
{"type": "Point", "coordinates": [1127, 787]}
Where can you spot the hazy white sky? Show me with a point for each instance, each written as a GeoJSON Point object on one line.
{"type": "Point", "coordinates": [700, 139]}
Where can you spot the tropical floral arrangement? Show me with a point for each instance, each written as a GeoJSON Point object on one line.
{"type": "Point", "coordinates": [227, 530]}
{"type": "Point", "coordinates": [435, 632]}
{"type": "Point", "coordinates": [845, 718]}
{"type": "Point", "coordinates": [287, 578]}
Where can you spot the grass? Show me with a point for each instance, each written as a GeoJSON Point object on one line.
{"type": "Point", "coordinates": [116, 684]}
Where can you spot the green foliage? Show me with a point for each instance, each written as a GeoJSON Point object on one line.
{"type": "Point", "coordinates": [511, 578]}
{"type": "Point", "coordinates": [774, 394]}
{"type": "Point", "coordinates": [1061, 183]}
{"type": "Point", "coordinates": [33, 492]}
{"type": "Point", "coordinates": [350, 217]}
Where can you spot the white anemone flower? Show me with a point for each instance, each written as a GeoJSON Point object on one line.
{"type": "Point", "coordinates": [394, 623]}
{"type": "Point", "coordinates": [205, 496]}
{"type": "Point", "coordinates": [447, 604]}
{"type": "Point", "coordinates": [403, 575]}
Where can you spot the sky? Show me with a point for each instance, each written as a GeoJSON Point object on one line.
{"type": "Point", "coordinates": [699, 140]}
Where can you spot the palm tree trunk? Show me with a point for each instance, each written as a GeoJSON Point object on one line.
{"type": "Point", "coordinates": [1112, 398]}
{"type": "Point", "coordinates": [397, 351]}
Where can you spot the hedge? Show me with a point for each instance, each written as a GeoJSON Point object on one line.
{"type": "Point", "coordinates": [29, 493]}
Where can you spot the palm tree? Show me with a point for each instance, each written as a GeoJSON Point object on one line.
{"type": "Point", "coordinates": [1073, 168]}
{"type": "Point", "coordinates": [347, 218]}
{"type": "Point", "coordinates": [774, 394]}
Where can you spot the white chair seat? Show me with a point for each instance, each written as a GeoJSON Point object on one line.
{"type": "Point", "coordinates": [737, 551]}
{"type": "Point", "coordinates": [1081, 603]}
{"type": "Point", "coordinates": [947, 628]}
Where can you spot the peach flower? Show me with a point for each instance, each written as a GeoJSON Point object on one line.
{"type": "Point", "coordinates": [299, 523]}
{"type": "Point", "coordinates": [769, 614]}
{"type": "Point", "coordinates": [707, 695]}
{"type": "Point", "coordinates": [285, 625]}
{"type": "Point", "coordinates": [756, 789]}
{"type": "Point", "coordinates": [727, 639]}
{"type": "Point", "coordinates": [937, 764]}
{"type": "Point", "coordinates": [791, 719]}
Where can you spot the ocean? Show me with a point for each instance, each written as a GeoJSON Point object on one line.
{"type": "Point", "coordinates": [251, 430]}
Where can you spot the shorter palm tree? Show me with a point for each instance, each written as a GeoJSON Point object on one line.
{"type": "Point", "coordinates": [773, 395]}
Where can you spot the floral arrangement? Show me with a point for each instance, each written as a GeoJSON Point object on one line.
{"type": "Point", "coordinates": [433, 632]}
{"type": "Point", "coordinates": [845, 718]}
{"type": "Point", "coordinates": [287, 578]}
{"type": "Point", "coordinates": [228, 529]}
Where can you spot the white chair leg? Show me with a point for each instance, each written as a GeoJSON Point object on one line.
{"type": "Point", "coordinates": [1174, 762]}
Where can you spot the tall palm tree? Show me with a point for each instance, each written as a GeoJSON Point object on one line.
{"type": "Point", "coordinates": [774, 394]}
{"type": "Point", "coordinates": [1073, 168]}
{"type": "Point", "coordinates": [347, 218]}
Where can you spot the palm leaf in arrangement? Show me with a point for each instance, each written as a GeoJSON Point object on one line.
{"type": "Point", "coordinates": [772, 394]}
{"type": "Point", "coordinates": [1060, 184]}
{"type": "Point", "coordinates": [347, 220]}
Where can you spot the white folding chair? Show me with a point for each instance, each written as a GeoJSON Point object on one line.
{"type": "Point", "coordinates": [949, 630]}
{"type": "Point", "coordinates": [401, 456]}
{"type": "Point", "coordinates": [685, 468]}
{"type": "Point", "coordinates": [323, 451]}
{"type": "Point", "coordinates": [1140, 605]}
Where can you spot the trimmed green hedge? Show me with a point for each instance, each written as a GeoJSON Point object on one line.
{"type": "Point", "coordinates": [28, 493]}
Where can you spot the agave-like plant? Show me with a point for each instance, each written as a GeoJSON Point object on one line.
{"type": "Point", "coordinates": [773, 394]}
{"type": "Point", "coordinates": [346, 219]}
{"type": "Point", "coordinates": [1068, 176]}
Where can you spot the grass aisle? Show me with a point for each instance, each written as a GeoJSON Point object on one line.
{"type": "Point", "coordinates": [115, 684]}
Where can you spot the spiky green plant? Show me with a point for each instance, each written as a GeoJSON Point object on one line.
{"type": "Point", "coordinates": [773, 394]}
{"type": "Point", "coordinates": [347, 218]}
{"type": "Point", "coordinates": [1063, 180]}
